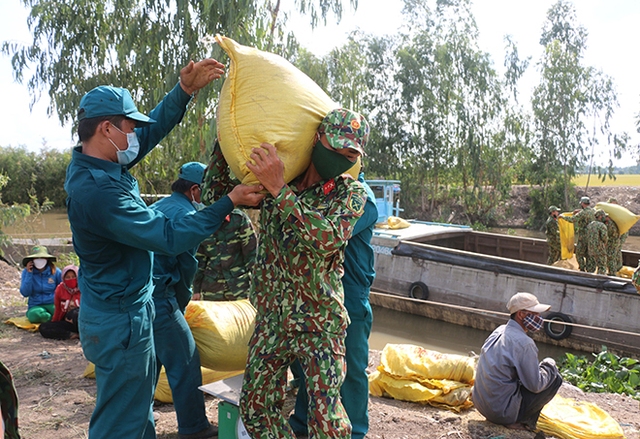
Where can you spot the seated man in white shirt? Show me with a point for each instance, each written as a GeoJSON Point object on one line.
{"type": "Point", "coordinates": [511, 387]}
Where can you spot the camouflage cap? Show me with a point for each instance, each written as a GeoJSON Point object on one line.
{"type": "Point", "coordinates": [600, 213]}
{"type": "Point", "coordinates": [553, 209]}
{"type": "Point", "coordinates": [345, 129]}
{"type": "Point", "coordinates": [585, 200]}
{"type": "Point", "coordinates": [612, 200]}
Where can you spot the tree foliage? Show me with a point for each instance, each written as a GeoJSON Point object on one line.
{"type": "Point", "coordinates": [141, 45]}
{"type": "Point", "coordinates": [572, 105]}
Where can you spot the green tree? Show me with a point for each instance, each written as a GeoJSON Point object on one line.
{"type": "Point", "coordinates": [141, 45]}
{"type": "Point", "coordinates": [572, 105]}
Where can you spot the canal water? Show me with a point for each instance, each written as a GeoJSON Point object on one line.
{"type": "Point", "coordinates": [388, 326]}
{"type": "Point", "coordinates": [391, 326]}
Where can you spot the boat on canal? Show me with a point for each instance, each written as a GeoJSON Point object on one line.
{"type": "Point", "coordinates": [456, 274]}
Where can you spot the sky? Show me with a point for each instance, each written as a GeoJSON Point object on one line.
{"type": "Point", "coordinates": [611, 24]}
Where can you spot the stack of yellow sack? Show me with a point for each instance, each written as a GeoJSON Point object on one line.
{"type": "Point", "coordinates": [568, 419]}
{"type": "Point", "coordinates": [412, 373]}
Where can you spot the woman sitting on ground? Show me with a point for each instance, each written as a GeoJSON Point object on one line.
{"type": "Point", "coordinates": [64, 324]}
{"type": "Point", "coordinates": [39, 280]}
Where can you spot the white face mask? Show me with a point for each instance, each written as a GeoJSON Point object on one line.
{"type": "Point", "coordinates": [40, 263]}
{"type": "Point", "coordinates": [196, 205]}
{"type": "Point", "coordinates": [133, 148]}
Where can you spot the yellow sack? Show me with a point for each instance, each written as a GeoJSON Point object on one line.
{"type": "Point", "coordinates": [412, 373]}
{"type": "Point", "coordinates": [265, 98]}
{"type": "Point", "coordinates": [624, 218]}
{"type": "Point", "coordinates": [569, 419]}
{"type": "Point", "coordinates": [397, 223]}
{"type": "Point", "coordinates": [163, 390]}
{"type": "Point", "coordinates": [456, 398]}
{"type": "Point", "coordinates": [23, 323]}
{"type": "Point", "coordinates": [221, 331]}
{"type": "Point", "coordinates": [408, 361]}
{"type": "Point", "coordinates": [626, 272]}
{"type": "Point", "coordinates": [567, 237]}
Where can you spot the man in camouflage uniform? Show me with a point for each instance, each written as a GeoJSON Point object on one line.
{"type": "Point", "coordinates": [552, 231]}
{"type": "Point", "coordinates": [614, 245]}
{"type": "Point", "coordinates": [581, 220]}
{"type": "Point", "coordinates": [225, 260]}
{"type": "Point", "coordinates": [597, 244]}
{"type": "Point", "coordinates": [297, 291]}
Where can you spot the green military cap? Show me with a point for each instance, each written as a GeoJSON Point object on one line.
{"type": "Point", "coordinates": [585, 200]}
{"type": "Point", "coordinates": [553, 209]}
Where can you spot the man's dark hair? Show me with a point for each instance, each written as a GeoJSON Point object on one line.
{"type": "Point", "coordinates": [87, 127]}
{"type": "Point", "coordinates": [181, 185]}
{"type": "Point", "coordinates": [513, 316]}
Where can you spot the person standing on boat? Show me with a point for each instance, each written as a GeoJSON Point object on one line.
{"type": "Point", "coordinates": [511, 387]}
{"type": "Point", "coordinates": [597, 244]}
{"type": "Point", "coordinates": [553, 235]}
{"type": "Point", "coordinates": [614, 243]}
{"type": "Point", "coordinates": [581, 220]}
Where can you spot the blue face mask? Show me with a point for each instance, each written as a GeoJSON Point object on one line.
{"type": "Point", "coordinates": [133, 148]}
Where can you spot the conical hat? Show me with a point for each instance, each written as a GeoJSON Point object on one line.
{"type": "Point", "coordinates": [38, 251]}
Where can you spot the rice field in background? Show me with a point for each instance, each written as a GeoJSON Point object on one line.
{"type": "Point", "coordinates": [621, 180]}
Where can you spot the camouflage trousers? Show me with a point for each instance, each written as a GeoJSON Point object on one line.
{"type": "Point", "coordinates": [9, 404]}
{"type": "Point", "coordinates": [581, 255]}
{"type": "Point", "coordinates": [271, 351]}
{"type": "Point", "coordinates": [594, 262]}
{"type": "Point", "coordinates": [554, 251]}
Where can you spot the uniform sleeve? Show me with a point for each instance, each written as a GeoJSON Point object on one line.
{"type": "Point", "coordinates": [187, 266]}
{"type": "Point", "coordinates": [123, 218]}
{"type": "Point", "coordinates": [323, 234]}
{"type": "Point", "coordinates": [167, 114]}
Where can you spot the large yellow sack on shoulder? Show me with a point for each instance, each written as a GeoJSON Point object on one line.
{"type": "Point", "coordinates": [569, 419]}
{"type": "Point", "coordinates": [163, 390]}
{"type": "Point", "coordinates": [567, 237]}
{"type": "Point", "coordinates": [221, 331]}
{"type": "Point", "coordinates": [406, 361]}
{"type": "Point", "coordinates": [265, 98]}
{"type": "Point", "coordinates": [624, 218]}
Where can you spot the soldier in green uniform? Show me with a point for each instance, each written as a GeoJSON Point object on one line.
{"type": "Point", "coordinates": [597, 244]}
{"type": "Point", "coordinates": [552, 231]}
{"type": "Point", "coordinates": [225, 260]}
{"type": "Point", "coordinates": [614, 246]}
{"type": "Point", "coordinates": [581, 220]}
{"type": "Point", "coordinates": [297, 290]}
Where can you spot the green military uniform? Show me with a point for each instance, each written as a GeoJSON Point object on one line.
{"type": "Point", "coordinates": [552, 231]}
{"type": "Point", "coordinates": [581, 221]}
{"type": "Point", "coordinates": [597, 245]}
{"type": "Point", "coordinates": [614, 248]}
{"type": "Point", "coordinates": [299, 300]}
{"type": "Point", "coordinates": [225, 260]}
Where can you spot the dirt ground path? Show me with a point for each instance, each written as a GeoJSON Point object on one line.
{"type": "Point", "coordinates": [56, 401]}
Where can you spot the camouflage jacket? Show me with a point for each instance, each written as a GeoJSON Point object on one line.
{"type": "Point", "coordinates": [581, 221]}
{"type": "Point", "coordinates": [303, 234]}
{"type": "Point", "coordinates": [225, 259]}
{"type": "Point", "coordinates": [597, 238]}
{"type": "Point", "coordinates": [552, 230]}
